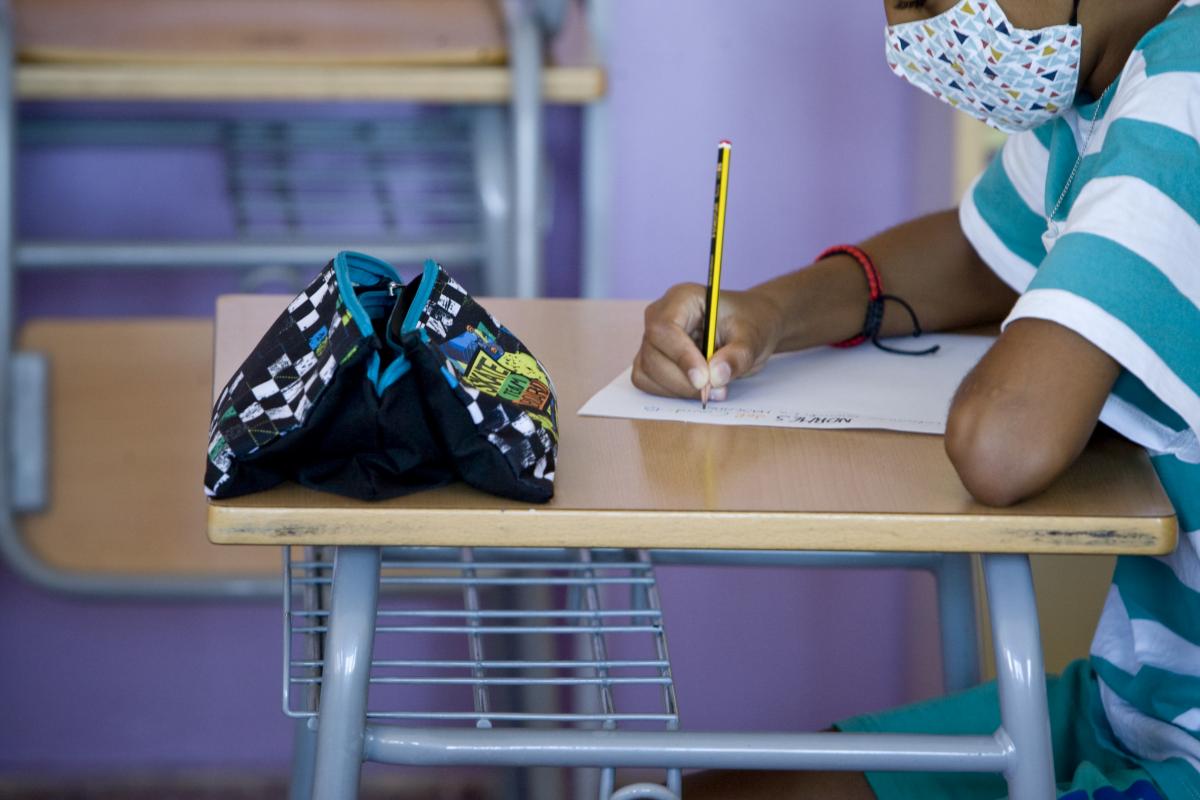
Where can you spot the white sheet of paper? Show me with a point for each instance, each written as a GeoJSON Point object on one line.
{"type": "Point", "coordinates": [822, 388]}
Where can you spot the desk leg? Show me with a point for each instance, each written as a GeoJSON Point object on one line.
{"type": "Point", "coordinates": [344, 682]}
{"type": "Point", "coordinates": [957, 618]}
{"type": "Point", "coordinates": [1021, 676]}
{"type": "Point", "coordinates": [493, 179]}
{"type": "Point", "coordinates": [525, 52]}
{"type": "Point", "coordinates": [304, 750]}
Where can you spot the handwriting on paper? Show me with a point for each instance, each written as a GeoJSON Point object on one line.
{"type": "Point", "coordinates": [821, 388]}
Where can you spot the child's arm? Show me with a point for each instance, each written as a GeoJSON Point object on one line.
{"type": "Point", "coordinates": [1020, 418]}
{"type": "Point", "coordinates": [928, 262]}
{"type": "Point", "coordinates": [1026, 411]}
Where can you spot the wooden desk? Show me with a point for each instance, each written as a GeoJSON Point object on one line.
{"type": "Point", "coordinates": [627, 483]}
{"type": "Point", "coordinates": [117, 391]}
{"type": "Point", "coordinates": [448, 51]}
{"type": "Point", "coordinates": [482, 53]}
{"type": "Point", "coordinates": [647, 485]}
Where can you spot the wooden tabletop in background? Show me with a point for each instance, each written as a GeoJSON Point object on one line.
{"type": "Point", "coordinates": [416, 50]}
{"type": "Point", "coordinates": [128, 413]}
{"type": "Point", "coordinates": [261, 31]}
{"type": "Point", "coordinates": [628, 483]}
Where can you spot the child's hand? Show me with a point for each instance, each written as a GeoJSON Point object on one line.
{"type": "Point", "coordinates": [670, 361]}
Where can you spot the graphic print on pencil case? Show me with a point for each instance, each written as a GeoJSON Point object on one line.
{"type": "Point", "coordinates": [505, 391]}
{"type": "Point", "coordinates": [370, 388]}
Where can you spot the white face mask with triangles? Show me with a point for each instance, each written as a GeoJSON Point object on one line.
{"type": "Point", "coordinates": [973, 58]}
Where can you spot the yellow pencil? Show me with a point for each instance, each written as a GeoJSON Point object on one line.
{"type": "Point", "coordinates": [709, 336]}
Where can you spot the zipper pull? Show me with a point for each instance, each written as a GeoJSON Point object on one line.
{"type": "Point", "coordinates": [394, 288]}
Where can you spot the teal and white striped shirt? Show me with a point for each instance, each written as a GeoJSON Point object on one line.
{"type": "Point", "coordinates": [1124, 272]}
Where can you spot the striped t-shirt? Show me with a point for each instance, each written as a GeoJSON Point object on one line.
{"type": "Point", "coordinates": [1124, 272]}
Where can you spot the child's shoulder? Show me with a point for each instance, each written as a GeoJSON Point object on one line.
{"type": "Point", "coordinates": [1174, 44]}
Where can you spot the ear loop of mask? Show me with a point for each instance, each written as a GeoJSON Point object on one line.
{"type": "Point", "coordinates": [1075, 13]}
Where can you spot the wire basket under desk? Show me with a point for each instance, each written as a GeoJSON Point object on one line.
{"type": "Point", "coordinates": [496, 638]}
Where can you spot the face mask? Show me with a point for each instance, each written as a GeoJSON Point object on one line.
{"type": "Point", "coordinates": [974, 59]}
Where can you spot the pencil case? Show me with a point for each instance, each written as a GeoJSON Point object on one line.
{"type": "Point", "coordinates": [370, 388]}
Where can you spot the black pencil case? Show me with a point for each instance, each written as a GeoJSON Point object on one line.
{"type": "Point", "coordinates": [370, 388]}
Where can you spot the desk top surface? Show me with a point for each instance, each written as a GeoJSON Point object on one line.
{"type": "Point", "coordinates": [261, 31]}
{"type": "Point", "coordinates": [437, 50]}
{"type": "Point", "coordinates": [630, 483]}
{"type": "Point", "coordinates": [103, 463]}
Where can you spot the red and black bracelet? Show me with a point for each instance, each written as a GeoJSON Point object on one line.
{"type": "Point", "coordinates": [875, 305]}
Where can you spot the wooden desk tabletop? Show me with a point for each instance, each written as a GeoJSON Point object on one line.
{"type": "Point", "coordinates": [628, 483]}
{"type": "Point", "coordinates": [418, 50]}
{"type": "Point", "coordinates": [124, 473]}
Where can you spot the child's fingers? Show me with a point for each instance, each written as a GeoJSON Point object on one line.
{"type": "Point", "coordinates": [643, 380]}
{"type": "Point", "coordinates": [732, 361]}
{"type": "Point", "coordinates": [679, 381]}
{"type": "Point", "coordinates": [647, 384]}
{"type": "Point", "coordinates": [676, 356]}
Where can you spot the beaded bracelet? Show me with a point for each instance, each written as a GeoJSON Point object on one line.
{"type": "Point", "coordinates": [875, 305]}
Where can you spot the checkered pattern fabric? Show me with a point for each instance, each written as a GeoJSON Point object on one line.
{"type": "Point", "coordinates": [506, 392]}
{"type": "Point", "coordinates": [273, 391]}
{"type": "Point", "coordinates": [372, 389]}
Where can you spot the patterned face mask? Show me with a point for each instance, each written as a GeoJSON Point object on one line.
{"type": "Point", "coordinates": [973, 58]}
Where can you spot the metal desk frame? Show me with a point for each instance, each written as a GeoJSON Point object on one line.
{"type": "Point", "coordinates": [331, 749]}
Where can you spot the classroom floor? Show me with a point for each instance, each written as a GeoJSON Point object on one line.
{"type": "Point", "coordinates": [208, 787]}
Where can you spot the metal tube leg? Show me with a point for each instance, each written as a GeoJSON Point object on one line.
{"type": "Point", "coordinates": [585, 782]}
{"type": "Point", "coordinates": [304, 751]}
{"type": "Point", "coordinates": [608, 779]}
{"type": "Point", "coordinates": [8, 184]}
{"type": "Point", "coordinates": [344, 684]}
{"type": "Point", "coordinates": [525, 48]}
{"type": "Point", "coordinates": [543, 783]}
{"type": "Point", "coordinates": [1021, 676]}
{"type": "Point", "coordinates": [597, 170]}
{"type": "Point", "coordinates": [8, 534]}
{"type": "Point", "coordinates": [675, 781]}
{"type": "Point", "coordinates": [493, 181]}
{"type": "Point", "coordinates": [958, 622]}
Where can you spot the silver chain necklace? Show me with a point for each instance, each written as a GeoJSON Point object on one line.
{"type": "Point", "coordinates": [1052, 227]}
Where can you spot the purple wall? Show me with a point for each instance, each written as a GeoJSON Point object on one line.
{"type": "Point", "coordinates": [97, 686]}
{"type": "Point", "coordinates": [823, 137]}
{"type": "Point", "coordinates": [828, 147]}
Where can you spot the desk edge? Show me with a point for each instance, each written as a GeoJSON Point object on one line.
{"type": "Point", "coordinates": [483, 84]}
{"type": "Point", "coordinates": [970, 533]}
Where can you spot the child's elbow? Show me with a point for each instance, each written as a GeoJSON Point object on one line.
{"type": "Point", "coordinates": [997, 465]}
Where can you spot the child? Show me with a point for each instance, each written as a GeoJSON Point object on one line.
{"type": "Point", "coordinates": [1084, 238]}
